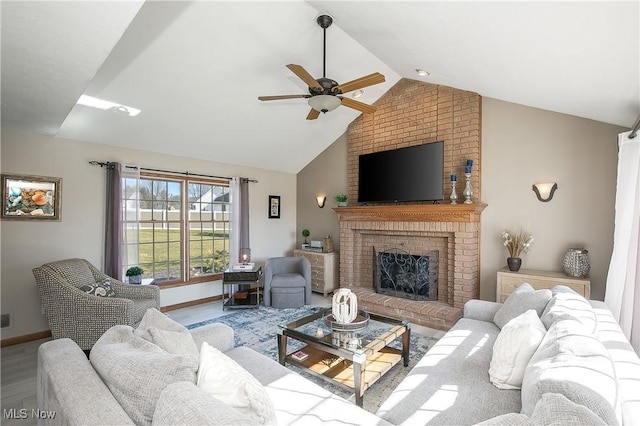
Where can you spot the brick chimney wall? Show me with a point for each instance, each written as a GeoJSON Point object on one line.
{"type": "Point", "coordinates": [413, 113]}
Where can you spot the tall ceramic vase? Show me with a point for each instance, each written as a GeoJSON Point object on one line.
{"type": "Point", "coordinates": [344, 306]}
{"type": "Point", "coordinates": [514, 263]}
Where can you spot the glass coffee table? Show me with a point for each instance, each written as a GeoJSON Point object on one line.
{"type": "Point", "coordinates": [351, 356]}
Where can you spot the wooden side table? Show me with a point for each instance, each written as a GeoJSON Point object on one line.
{"type": "Point", "coordinates": [507, 281]}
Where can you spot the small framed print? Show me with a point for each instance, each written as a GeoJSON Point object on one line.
{"type": "Point", "coordinates": [28, 197]}
{"type": "Point", "coordinates": [274, 207]}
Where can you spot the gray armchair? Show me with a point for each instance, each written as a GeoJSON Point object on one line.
{"type": "Point", "coordinates": [83, 317]}
{"type": "Point", "coordinates": [287, 282]}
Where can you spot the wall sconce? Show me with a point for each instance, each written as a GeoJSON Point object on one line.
{"type": "Point", "coordinates": [321, 200]}
{"type": "Point", "coordinates": [544, 191]}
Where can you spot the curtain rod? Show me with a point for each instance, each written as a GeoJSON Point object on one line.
{"type": "Point", "coordinates": [634, 129]}
{"type": "Point", "coordinates": [110, 164]}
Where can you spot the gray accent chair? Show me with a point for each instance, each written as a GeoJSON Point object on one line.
{"type": "Point", "coordinates": [83, 317]}
{"type": "Point", "coordinates": [287, 282]}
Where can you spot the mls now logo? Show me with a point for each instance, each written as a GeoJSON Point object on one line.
{"type": "Point", "coordinates": [23, 413]}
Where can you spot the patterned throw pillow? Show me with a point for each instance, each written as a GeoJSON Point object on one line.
{"type": "Point", "coordinates": [102, 289]}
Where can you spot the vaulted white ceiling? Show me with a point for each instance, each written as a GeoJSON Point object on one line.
{"type": "Point", "coordinates": [195, 69]}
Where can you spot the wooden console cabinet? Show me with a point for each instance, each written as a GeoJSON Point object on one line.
{"type": "Point", "coordinates": [507, 281]}
{"type": "Point", "coordinates": [324, 272]}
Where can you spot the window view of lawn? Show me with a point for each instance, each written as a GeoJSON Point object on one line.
{"type": "Point", "coordinates": [161, 254]}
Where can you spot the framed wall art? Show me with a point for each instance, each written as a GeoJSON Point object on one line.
{"type": "Point", "coordinates": [28, 197]}
{"type": "Point", "coordinates": [274, 207]}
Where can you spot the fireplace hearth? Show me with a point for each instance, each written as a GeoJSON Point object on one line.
{"type": "Point", "coordinates": [401, 274]}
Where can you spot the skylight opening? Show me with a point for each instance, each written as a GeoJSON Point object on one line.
{"type": "Point", "coordinates": [98, 103]}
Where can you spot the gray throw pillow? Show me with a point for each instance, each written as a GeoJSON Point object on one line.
{"type": "Point", "coordinates": [509, 419]}
{"type": "Point", "coordinates": [567, 305]}
{"type": "Point", "coordinates": [136, 370]}
{"type": "Point", "coordinates": [159, 329]}
{"type": "Point", "coordinates": [573, 362]}
{"type": "Point", "coordinates": [522, 299]}
{"type": "Point", "coordinates": [101, 289]}
{"type": "Point", "coordinates": [556, 409]}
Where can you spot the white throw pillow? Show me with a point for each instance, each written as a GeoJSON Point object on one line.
{"type": "Point", "coordinates": [224, 379]}
{"type": "Point", "coordinates": [513, 348]}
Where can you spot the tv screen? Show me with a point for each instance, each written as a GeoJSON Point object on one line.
{"type": "Point", "coordinates": [405, 174]}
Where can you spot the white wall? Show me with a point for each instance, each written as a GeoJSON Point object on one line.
{"type": "Point", "coordinates": [26, 245]}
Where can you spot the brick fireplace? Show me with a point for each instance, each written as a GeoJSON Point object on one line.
{"type": "Point", "coordinates": [452, 230]}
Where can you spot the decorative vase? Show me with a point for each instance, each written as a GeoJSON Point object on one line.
{"type": "Point", "coordinates": [345, 306]}
{"type": "Point", "coordinates": [328, 244]}
{"type": "Point", "coordinates": [342, 204]}
{"type": "Point", "coordinates": [514, 263]}
{"type": "Point", "coordinates": [135, 279]}
{"type": "Point", "coordinates": [576, 263]}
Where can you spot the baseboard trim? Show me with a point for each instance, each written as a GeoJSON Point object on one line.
{"type": "Point", "coordinates": [47, 333]}
{"type": "Point", "coordinates": [190, 303]}
{"type": "Point", "coordinates": [26, 338]}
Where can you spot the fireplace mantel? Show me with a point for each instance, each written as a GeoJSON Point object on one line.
{"type": "Point", "coordinates": [413, 213]}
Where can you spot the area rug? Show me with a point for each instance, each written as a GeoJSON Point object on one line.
{"type": "Point", "coordinates": [258, 328]}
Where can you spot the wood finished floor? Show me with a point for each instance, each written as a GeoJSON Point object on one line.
{"type": "Point", "coordinates": [19, 362]}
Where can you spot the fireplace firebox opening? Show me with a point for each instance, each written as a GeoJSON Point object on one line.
{"type": "Point", "coordinates": [401, 274]}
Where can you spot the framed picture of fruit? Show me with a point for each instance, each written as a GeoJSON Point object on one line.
{"type": "Point", "coordinates": [27, 197]}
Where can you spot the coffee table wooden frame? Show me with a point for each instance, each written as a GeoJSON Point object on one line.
{"type": "Point", "coordinates": [354, 369]}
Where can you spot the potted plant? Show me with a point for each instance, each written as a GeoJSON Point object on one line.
{"type": "Point", "coordinates": [305, 234]}
{"type": "Point", "coordinates": [135, 274]}
{"type": "Point", "coordinates": [516, 243]}
{"type": "Point", "coordinates": [341, 199]}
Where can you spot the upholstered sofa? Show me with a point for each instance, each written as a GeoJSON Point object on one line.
{"type": "Point", "coordinates": [582, 361]}
{"type": "Point", "coordinates": [583, 371]}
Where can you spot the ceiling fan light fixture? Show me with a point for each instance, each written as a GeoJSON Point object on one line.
{"type": "Point", "coordinates": [324, 103]}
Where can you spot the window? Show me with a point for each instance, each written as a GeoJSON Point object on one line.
{"type": "Point", "coordinates": [182, 227]}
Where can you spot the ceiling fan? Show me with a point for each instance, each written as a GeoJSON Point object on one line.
{"type": "Point", "coordinates": [324, 93]}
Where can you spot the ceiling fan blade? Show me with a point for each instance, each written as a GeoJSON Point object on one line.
{"type": "Point", "coordinates": [278, 97]}
{"type": "Point", "coordinates": [313, 114]}
{"type": "Point", "coordinates": [357, 105]}
{"type": "Point", "coordinates": [304, 76]}
{"type": "Point", "coordinates": [362, 82]}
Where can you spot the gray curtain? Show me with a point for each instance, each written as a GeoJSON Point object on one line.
{"type": "Point", "coordinates": [113, 228]}
{"type": "Point", "coordinates": [239, 218]}
{"type": "Point", "coordinates": [244, 214]}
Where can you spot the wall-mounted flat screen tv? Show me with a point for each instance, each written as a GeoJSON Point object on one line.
{"type": "Point", "coordinates": [406, 174]}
